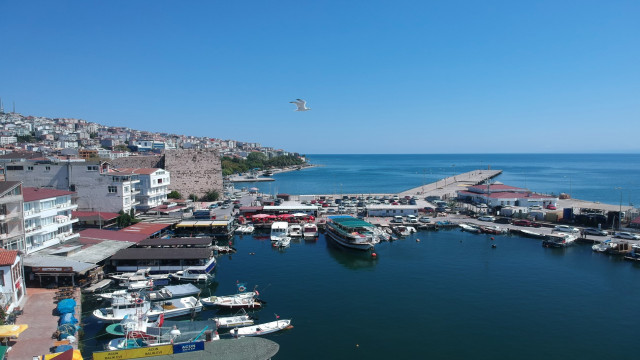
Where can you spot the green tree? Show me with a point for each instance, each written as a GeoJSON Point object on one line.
{"type": "Point", "coordinates": [123, 220]}
{"type": "Point", "coordinates": [26, 138]}
{"type": "Point", "coordinates": [174, 195]}
{"type": "Point", "coordinates": [193, 197]}
{"type": "Point", "coordinates": [211, 195]}
{"type": "Point", "coordinates": [121, 148]}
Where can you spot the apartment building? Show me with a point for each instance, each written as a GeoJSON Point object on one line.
{"type": "Point", "coordinates": [11, 216]}
{"type": "Point", "coordinates": [12, 289]}
{"type": "Point", "coordinates": [47, 217]}
{"type": "Point", "coordinates": [153, 186]}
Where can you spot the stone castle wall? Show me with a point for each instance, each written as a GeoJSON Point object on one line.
{"type": "Point", "coordinates": [193, 171]}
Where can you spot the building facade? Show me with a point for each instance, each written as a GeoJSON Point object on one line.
{"type": "Point", "coordinates": [11, 216]}
{"type": "Point", "coordinates": [12, 289]}
{"type": "Point", "coordinates": [47, 217]}
{"type": "Point", "coordinates": [152, 188]}
{"type": "Point", "coordinates": [501, 195]}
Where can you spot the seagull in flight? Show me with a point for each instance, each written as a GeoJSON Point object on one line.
{"type": "Point", "coordinates": [301, 104]}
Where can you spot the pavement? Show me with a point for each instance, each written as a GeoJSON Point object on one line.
{"type": "Point", "coordinates": [38, 313]}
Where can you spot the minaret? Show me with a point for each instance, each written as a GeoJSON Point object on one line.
{"type": "Point", "coordinates": [1, 107]}
{"type": "Point", "coordinates": [14, 107]}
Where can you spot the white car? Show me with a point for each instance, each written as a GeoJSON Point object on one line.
{"type": "Point", "coordinates": [627, 235]}
{"type": "Point", "coordinates": [424, 219]}
{"type": "Point", "coordinates": [487, 218]}
{"type": "Point", "coordinates": [565, 229]}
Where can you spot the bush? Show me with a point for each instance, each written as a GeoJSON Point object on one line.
{"type": "Point", "coordinates": [174, 195]}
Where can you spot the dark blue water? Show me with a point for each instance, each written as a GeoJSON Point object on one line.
{"type": "Point", "coordinates": [593, 177]}
{"type": "Point", "coordinates": [448, 296]}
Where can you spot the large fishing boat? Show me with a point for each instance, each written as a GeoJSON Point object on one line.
{"type": "Point", "coordinates": [352, 232]}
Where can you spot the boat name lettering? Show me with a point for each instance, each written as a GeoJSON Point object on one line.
{"type": "Point", "coordinates": [134, 353]}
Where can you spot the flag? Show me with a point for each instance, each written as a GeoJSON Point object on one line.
{"type": "Point", "coordinates": [257, 293]}
{"type": "Point", "coordinates": [277, 316]}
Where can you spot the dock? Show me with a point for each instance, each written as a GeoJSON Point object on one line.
{"type": "Point", "coordinates": [448, 186]}
{"type": "Point", "coordinates": [98, 286]}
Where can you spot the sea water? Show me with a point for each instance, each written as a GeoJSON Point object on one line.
{"type": "Point", "coordinates": [607, 178]}
{"type": "Point", "coordinates": [448, 296]}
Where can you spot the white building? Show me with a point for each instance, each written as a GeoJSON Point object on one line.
{"type": "Point", "coordinates": [96, 188]}
{"type": "Point", "coordinates": [5, 140]}
{"type": "Point", "coordinates": [11, 216]}
{"type": "Point", "coordinates": [12, 289]}
{"type": "Point", "coordinates": [501, 195]}
{"type": "Point", "coordinates": [153, 186]}
{"type": "Point", "coordinates": [391, 210]}
{"type": "Point", "coordinates": [47, 217]}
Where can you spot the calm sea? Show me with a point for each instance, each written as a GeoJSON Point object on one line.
{"type": "Point", "coordinates": [449, 296]}
{"type": "Point", "coordinates": [608, 178]}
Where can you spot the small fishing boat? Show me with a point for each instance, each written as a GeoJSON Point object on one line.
{"type": "Point", "coordinates": [248, 229]}
{"type": "Point", "coordinates": [279, 230]}
{"type": "Point", "coordinates": [309, 230]}
{"type": "Point", "coordinates": [602, 247]}
{"type": "Point", "coordinates": [196, 273]}
{"type": "Point", "coordinates": [239, 301]}
{"type": "Point", "coordinates": [282, 243]}
{"type": "Point", "coordinates": [493, 229]}
{"type": "Point", "coordinates": [295, 230]}
{"type": "Point", "coordinates": [559, 240]}
{"type": "Point", "coordinates": [165, 293]}
{"type": "Point", "coordinates": [240, 319]}
{"type": "Point", "coordinates": [130, 305]}
{"type": "Point", "coordinates": [240, 229]}
{"type": "Point", "coordinates": [137, 284]}
{"type": "Point", "coordinates": [261, 329]}
{"type": "Point", "coordinates": [532, 234]}
{"type": "Point", "coordinates": [469, 228]}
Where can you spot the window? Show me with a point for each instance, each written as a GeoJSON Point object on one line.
{"type": "Point", "coordinates": [113, 189]}
{"type": "Point", "coordinates": [72, 187]}
{"type": "Point", "coordinates": [15, 167]}
{"type": "Point", "coordinates": [92, 168]}
{"type": "Point", "coordinates": [30, 168]}
{"type": "Point", "coordinates": [2, 277]}
{"type": "Point", "coordinates": [47, 168]}
{"type": "Point", "coordinates": [126, 189]}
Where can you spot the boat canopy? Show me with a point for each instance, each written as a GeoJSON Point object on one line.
{"type": "Point", "coordinates": [349, 221]}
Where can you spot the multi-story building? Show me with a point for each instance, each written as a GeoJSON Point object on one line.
{"type": "Point", "coordinates": [11, 216]}
{"type": "Point", "coordinates": [96, 188]}
{"type": "Point", "coordinates": [153, 186]}
{"type": "Point", "coordinates": [47, 217]}
{"type": "Point", "coordinates": [12, 289]}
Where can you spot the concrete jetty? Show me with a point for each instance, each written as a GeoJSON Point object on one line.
{"type": "Point", "coordinates": [447, 187]}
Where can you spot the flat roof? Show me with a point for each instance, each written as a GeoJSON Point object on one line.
{"type": "Point", "coordinates": [162, 253]}
{"type": "Point", "coordinates": [177, 241]}
{"type": "Point", "coordinates": [57, 261]}
{"type": "Point", "coordinates": [390, 207]}
{"type": "Point", "coordinates": [202, 223]}
{"type": "Point", "coordinates": [97, 235]}
{"type": "Point", "coordinates": [291, 207]}
{"type": "Point", "coordinates": [34, 194]}
{"type": "Point", "coordinates": [145, 228]}
{"type": "Point", "coordinates": [87, 215]}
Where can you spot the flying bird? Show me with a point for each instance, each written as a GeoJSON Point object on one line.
{"type": "Point", "coordinates": [301, 104]}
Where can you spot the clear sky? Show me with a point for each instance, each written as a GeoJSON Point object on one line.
{"type": "Point", "coordinates": [380, 76]}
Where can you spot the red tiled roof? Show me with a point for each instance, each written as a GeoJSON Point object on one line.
{"type": "Point", "coordinates": [94, 214]}
{"type": "Point", "coordinates": [98, 235]}
{"type": "Point", "coordinates": [509, 195]}
{"type": "Point", "coordinates": [144, 228]}
{"type": "Point", "coordinates": [33, 194]}
{"type": "Point", "coordinates": [8, 257]}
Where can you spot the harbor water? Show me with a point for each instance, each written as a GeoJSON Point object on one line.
{"type": "Point", "coordinates": [450, 295]}
{"type": "Point", "coordinates": [607, 178]}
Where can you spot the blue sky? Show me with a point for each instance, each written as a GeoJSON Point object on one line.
{"type": "Point", "coordinates": [380, 76]}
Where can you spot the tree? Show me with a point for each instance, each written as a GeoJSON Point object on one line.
{"type": "Point", "coordinates": [121, 148]}
{"type": "Point", "coordinates": [174, 195]}
{"type": "Point", "coordinates": [211, 195]}
{"type": "Point", "coordinates": [193, 197]}
{"type": "Point", "coordinates": [123, 220]}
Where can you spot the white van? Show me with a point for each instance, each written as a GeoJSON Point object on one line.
{"type": "Point", "coordinates": [412, 219]}
{"type": "Point", "coordinates": [398, 219]}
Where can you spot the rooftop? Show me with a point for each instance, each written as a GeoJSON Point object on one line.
{"type": "Point", "coordinates": [93, 215]}
{"type": "Point", "coordinates": [34, 194]}
{"type": "Point", "coordinates": [96, 235]}
{"type": "Point", "coordinates": [163, 253]}
{"type": "Point", "coordinates": [145, 228]}
{"type": "Point", "coordinates": [8, 257]}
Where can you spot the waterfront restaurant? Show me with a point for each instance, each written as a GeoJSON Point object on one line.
{"type": "Point", "coordinates": [501, 195]}
{"type": "Point", "coordinates": [160, 260]}
{"type": "Point", "coordinates": [391, 210]}
{"type": "Point", "coordinates": [219, 229]}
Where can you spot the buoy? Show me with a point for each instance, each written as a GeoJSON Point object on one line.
{"type": "Point", "coordinates": [492, 238]}
{"type": "Point", "coordinates": [374, 255]}
{"type": "Point", "coordinates": [357, 345]}
{"type": "Point", "coordinates": [230, 243]}
{"type": "Point", "coordinates": [417, 240]}
{"type": "Point", "coordinates": [493, 246]}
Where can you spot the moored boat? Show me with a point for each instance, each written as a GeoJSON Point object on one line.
{"type": "Point", "coordinates": [351, 232]}
{"type": "Point", "coordinates": [240, 319]}
{"type": "Point", "coordinates": [279, 230]}
{"type": "Point", "coordinates": [309, 230]}
{"type": "Point", "coordinates": [295, 230]}
{"type": "Point", "coordinates": [239, 301]}
{"type": "Point", "coordinates": [559, 240]}
{"type": "Point", "coordinates": [131, 305]}
{"type": "Point", "coordinates": [261, 329]}
{"type": "Point", "coordinates": [469, 228]}
{"type": "Point", "coordinates": [196, 273]}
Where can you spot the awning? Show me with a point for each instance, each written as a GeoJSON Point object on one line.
{"type": "Point", "coordinates": [185, 225]}
{"type": "Point", "coordinates": [12, 330]}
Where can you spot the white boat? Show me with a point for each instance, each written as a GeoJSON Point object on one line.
{"type": "Point", "coordinates": [469, 228]}
{"type": "Point", "coordinates": [261, 329]}
{"type": "Point", "coordinates": [144, 273]}
{"type": "Point", "coordinates": [351, 232]}
{"type": "Point", "coordinates": [248, 229]}
{"type": "Point", "coordinates": [279, 230]}
{"type": "Point", "coordinates": [309, 230]}
{"type": "Point", "coordinates": [603, 246]}
{"type": "Point", "coordinates": [130, 305]}
{"type": "Point", "coordinates": [196, 273]}
{"type": "Point", "coordinates": [165, 293]}
{"type": "Point", "coordinates": [532, 233]}
{"type": "Point", "coordinates": [284, 242]}
{"type": "Point", "coordinates": [240, 319]}
{"type": "Point", "coordinates": [295, 230]}
{"type": "Point", "coordinates": [239, 301]}
{"type": "Point", "coordinates": [558, 240]}
{"type": "Point", "coordinates": [133, 285]}
{"type": "Point", "coordinates": [240, 229]}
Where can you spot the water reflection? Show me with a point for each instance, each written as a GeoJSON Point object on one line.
{"type": "Point", "coordinates": [351, 259]}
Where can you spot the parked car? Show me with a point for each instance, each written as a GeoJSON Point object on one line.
{"type": "Point", "coordinates": [225, 206]}
{"type": "Point", "coordinates": [552, 207]}
{"type": "Point", "coordinates": [424, 219]}
{"type": "Point", "coordinates": [535, 207]}
{"type": "Point", "coordinates": [487, 218]}
{"type": "Point", "coordinates": [565, 229]}
{"type": "Point", "coordinates": [594, 231]}
{"type": "Point", "coordinates": [627, 235]}
{"type": "Point", "coordinates": [429, 209]}
{"type": "Point", "coordinates": [524, 222]}
{"type": "Point", "coordinates": [502, 221]}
